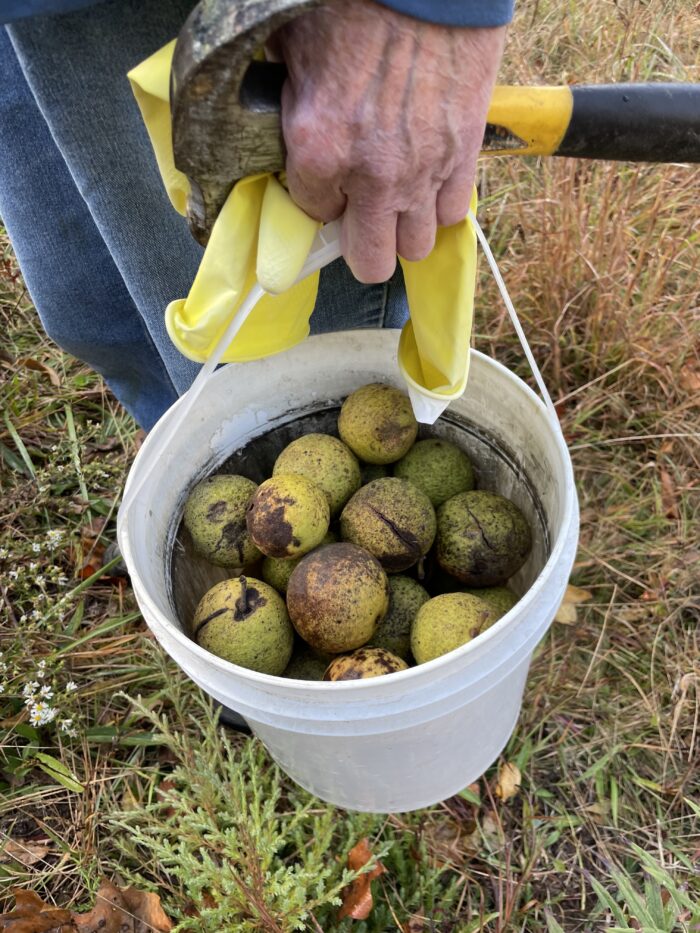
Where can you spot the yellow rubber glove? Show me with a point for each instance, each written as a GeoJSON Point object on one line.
{"type": "Point", "coordinates": [261, 234]}
{"type": "Point", "coordinates": [434, 344]}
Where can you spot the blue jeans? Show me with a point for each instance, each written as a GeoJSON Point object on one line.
{"type": "Point", "coordinates": [99, 245]}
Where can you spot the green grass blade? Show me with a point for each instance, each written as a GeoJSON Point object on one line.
{"type": "Point", "coordinates": [634, 900]}
{"type": "Point", "coordinates": [607, 901]}
{"type": "Point", "coordinates": [614, 800]}
{"type": "Point", "coordinates": [75, 452]}
{"type": "Point", "coordinates": [19, 444]}
{"type": "Point", "coordinates": [59, 772]}
{"type": "Point", "coordinates": [552, 925]}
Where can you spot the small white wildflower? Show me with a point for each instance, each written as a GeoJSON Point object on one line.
{"type": "Point", "coordinates": [46, 692]}
{"type": "Point", "coordinates": [39, 578]}
{"type": "Point", "coordinates": [4, 553]}
{"type": "Point", "coordinates": [33, 566]}
{"type": "Point", "coordinates": [54, 448]}
{"type": "Point", "coordinates": [54, 537]}
{"type": "Point", "coordinates": [66, 724]}
{"type": "Point", "coordinates": [13, 574]}
{"type": "Point", "coordinates": [60, 468]}
{"type": "Point", "coordinates": [41, 713]}
{"type": "Point", "coordinates": [23, 618]}
{"type": "Point", "coordinates": [35, 614]}
{"type": "Point", "coordinates": [63, 579]}
{"type": "Point", "coordinates": [41, 669]}
{"type": "Point", "coordinates": [71, 686]}
{"type": "Point", "coordinates": [36, 547]}
{"type": "Point", "coordinates": [30, 688]}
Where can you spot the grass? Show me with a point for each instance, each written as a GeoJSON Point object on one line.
{"type": "Point", "coordinates": [601, 261]}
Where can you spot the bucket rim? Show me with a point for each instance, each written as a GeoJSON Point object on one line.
{"type": "Point", "coordinates": [355, 688]}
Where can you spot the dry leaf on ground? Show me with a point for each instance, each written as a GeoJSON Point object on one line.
{"type": "Point", "coordinates": [115, 911]}
{"type": "Point", "coordinates": [32, 915]}
{"type": "Point", "coordinates": [414, 925]}
{"type": "Point", "coordinates": [124, 911]}
{"type": "Point", "coordinates": [28, 363]}
{"type": "Point", "coordinates": [491, 828]}
{"type": "Point", "coordinates": [690, 380]}
{"type": "Point", "coordinates": [566, 613]}
{"type": "Point", "coordinates": [508, 783]}
{"type": "Point", "coordinates": [357, 898]}
{"type": "Point", "coordinates": [669, 495]}
{"type": "Point", "coordinates": [25, 852]}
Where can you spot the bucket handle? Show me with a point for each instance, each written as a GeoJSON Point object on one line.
{"type": "Point", "coordinates": [189, 399]}
{"type": "Point", "coordinates": [551, 410]}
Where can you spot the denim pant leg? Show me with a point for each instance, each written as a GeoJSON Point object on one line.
{"type": "Point", "coordinates": [343, 303]}
{"type": "Point", "coordinates": [76, 66]}
{"type": "Point", "coordinates": [72, 279]}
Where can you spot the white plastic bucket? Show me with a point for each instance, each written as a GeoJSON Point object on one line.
{"type": "Point", "coordinates": [406, 740]}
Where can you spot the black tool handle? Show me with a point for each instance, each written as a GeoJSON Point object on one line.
{"type": "Point", "coordinates": [634, 122]}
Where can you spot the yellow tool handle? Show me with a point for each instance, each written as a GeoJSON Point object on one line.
{"type": "Point", "coordinates": [631, 122]}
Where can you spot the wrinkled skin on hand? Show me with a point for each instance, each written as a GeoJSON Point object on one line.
{"type": "Point", "coordinates": [383, 118]}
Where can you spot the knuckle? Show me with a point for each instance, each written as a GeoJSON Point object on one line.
{"type": "Point", "coordinates": [308, 148]}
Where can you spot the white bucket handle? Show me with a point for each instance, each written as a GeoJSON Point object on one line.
{"type": "Point", "coordinates": [188, 400]}
{"type": "Point", "coordinates": [516, 323]}
{"type": "Point", "coordinates": [325, 254]}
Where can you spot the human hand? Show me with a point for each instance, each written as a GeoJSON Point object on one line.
{"type": "Point", "coordinates": [383, 117]}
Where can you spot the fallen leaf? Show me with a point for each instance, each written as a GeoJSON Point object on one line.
{"type": "Point", "coordinates": [108, 915]}
{"type": "Point", "coordinates": [91, 531]}
{"type": "Point", "coordinates": [162, 792]}
{"type": "Point", "coordinates": [115, 911]}
{"type": "Point", "coordinates": [145, 905]}
{"type": "Point", "coordinates": [574, 594]}
{"type": "Point", "coordinates": [93, 565]}
{"type": "Point", "coordinates": [690, 380]}
{"type": "Point", "coordinates": [491, 828]}
{"type": "Point", "coordinates": [669, 496]}
{"type": "Point", "coordinates": [357, 898]}
{"type": "Point", "coordinates": [39, 367]}
{"type": "Point", "coordinates": [566, 613]}
{"type": "Point", "coordinates": [32, 915]}
{"type": "Point", "coordinates": [508, 783]}
{"type": "Point", "coordinates": [414, 925]}
{"type": "Point", "coordinates": [123, 911]}
{"type": "Point", "coordinates": [26, 853]}
{"type": "Point", "coordinates": [463, 811]}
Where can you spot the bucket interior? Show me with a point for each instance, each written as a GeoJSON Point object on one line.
{"type": "Point", "coordinates": [498, 469]}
